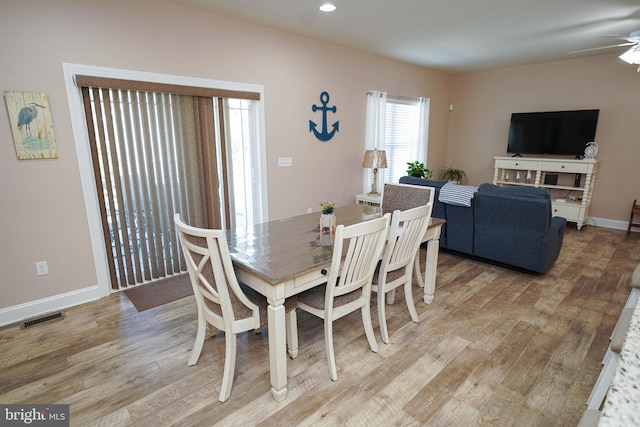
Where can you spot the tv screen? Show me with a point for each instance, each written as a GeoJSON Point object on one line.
{"type": "Point", "coordinates": [552, 132]}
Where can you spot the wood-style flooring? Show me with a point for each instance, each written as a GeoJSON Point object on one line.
{"type": "Point", "coordinates": [496, 347]}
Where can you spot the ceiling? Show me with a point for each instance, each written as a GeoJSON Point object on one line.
{"type": "Point", "coordinates": [450, 35]}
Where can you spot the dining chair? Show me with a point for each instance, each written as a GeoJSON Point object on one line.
{"type": "Point", "coordinates": [405, 196]}
{"type": "Point", "coordinates": [400, 253]}
{"type": "Point", "coordinates": [356, 252]}
{"type": "Point", "coordinates": [222, 301]}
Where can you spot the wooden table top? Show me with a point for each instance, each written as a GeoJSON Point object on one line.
{"type": "Point", "coordinates": [281, 250]}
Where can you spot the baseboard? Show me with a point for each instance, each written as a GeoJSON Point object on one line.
{"type": "Point", "coordinates": [609, 223]}
{"type": "Point", "coordinates": [17, 313]}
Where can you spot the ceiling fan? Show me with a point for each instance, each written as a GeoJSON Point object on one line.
{"type": "Point", "coordinates": [631, 56]}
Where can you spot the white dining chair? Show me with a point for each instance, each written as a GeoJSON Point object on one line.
{"type": "Point", "coordinates": [396, 268]}
{"type": "Point", "coordinates": [221, 300]}
{"type": "Point", "coordinates": [356, 253]}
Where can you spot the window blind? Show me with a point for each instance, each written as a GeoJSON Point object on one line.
{"type": "Point", "coordinates": [150, 161]}
{"type": "Point", "coordinates": [401, 135]}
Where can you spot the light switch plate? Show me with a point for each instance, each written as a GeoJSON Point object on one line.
{"type": "Point", "coordinates": [285, 162]}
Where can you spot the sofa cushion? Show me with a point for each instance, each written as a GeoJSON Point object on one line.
{"type": "Point", "coordinates": [421, 181]}
{"type": "Point", "coordinates": [520, 191]}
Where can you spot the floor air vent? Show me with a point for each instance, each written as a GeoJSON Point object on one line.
{"type": "Point", "coordinates": [45, 318]}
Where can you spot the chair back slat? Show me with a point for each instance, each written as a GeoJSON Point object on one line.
{"type": "Point", "coordinates": [365, 242]}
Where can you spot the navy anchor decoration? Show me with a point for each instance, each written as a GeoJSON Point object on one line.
{"type": "Point", "coordinates": [324, 135]}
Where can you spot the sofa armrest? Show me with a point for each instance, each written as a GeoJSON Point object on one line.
{"type": "Point", "coordinates": [553, 242]}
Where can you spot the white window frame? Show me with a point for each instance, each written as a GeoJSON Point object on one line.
{"type": "Point", "coordinates": [85, 163]}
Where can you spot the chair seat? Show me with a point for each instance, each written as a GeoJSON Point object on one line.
{"type": "Point", "coordinates": [315, 297]}
{"type": "Point", "coordinates": [391, 275]}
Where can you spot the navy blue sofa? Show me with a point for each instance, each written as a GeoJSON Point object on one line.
{"type": "Point", "coordinates": [508, 225]}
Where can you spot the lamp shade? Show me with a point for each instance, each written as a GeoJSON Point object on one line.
{"type": "Point", "coordinates": [374, 159]}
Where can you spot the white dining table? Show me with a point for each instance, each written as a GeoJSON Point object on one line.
{"type": "Point", "coordinates": [282, 258]}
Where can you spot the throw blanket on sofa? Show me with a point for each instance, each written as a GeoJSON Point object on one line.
{"type": "Point", "coordinates": [457, 195]}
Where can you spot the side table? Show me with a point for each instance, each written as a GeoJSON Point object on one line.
{"type": "Point", "coordinates": [369, 200]}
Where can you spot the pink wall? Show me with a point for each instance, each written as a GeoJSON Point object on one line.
{"type": "Point", "coordinates": [484, 101]}
{"type": "Point", "coordinates": [43, 213]}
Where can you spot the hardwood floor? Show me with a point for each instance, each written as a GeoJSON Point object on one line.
{"type": "Point", "coordinates": [496, 347]}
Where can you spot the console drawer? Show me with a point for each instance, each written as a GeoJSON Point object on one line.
{"type": "Point", "coordinates": [563, 167]}
{"type": "Point", "coordinates": [521, 164]}
{"type": "Point", "coordinates": [569, 211]}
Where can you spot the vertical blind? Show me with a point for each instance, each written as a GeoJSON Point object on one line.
{"type": "Point", "coordinates": [157, 149]}
{"type": "Point", "coordinates": [148, 165]}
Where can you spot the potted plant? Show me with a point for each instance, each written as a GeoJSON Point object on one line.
{"type": "Point", "coordinates": [327, 215]}
{"type": "Point", "coordinates": [418, 170]}
{"type": "Point", "coordinates": [454, 175]}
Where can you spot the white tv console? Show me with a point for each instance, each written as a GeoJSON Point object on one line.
{"type": "Point", "coordinates": [570, 194]}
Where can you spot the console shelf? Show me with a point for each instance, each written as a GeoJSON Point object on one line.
{"type": "Point", "coordinates": [571, 189]}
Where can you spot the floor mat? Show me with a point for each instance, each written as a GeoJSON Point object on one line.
{"type": "Point", "coordinates": [161, 292]}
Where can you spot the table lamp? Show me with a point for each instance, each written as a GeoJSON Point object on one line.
{"type": "Point", "coordinates": [374, 159]}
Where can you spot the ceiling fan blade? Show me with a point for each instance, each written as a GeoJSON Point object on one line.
{"type": "Point", "coordinates": [633, 37]}
{"type": "Point", "coordinates": [603, 47]}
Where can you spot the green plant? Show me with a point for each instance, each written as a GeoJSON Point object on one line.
{"type": "Point", "coordinates": [327, 207]}
{"type": "Point", "coordinates": [452, 174]}
{"type": "Point", "coordinates": [418, 170]}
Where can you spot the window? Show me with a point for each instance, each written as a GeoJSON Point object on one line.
{"type": "Point", "coordinates": [400, 127]}
{"type": "Point", "coordinates": [241, 137]}
{"type": "Point", "coordinates": [401, 137]}
{"type": "Point", "coordinates": [160, 145]}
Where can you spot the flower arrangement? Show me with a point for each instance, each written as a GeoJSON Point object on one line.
{"type": "Point", "coordinates": [327, 207]}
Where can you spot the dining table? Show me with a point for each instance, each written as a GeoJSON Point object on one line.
{"type": "Point", "coordinates": [285, 257]}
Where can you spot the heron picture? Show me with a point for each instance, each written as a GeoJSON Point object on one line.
{"type": "Point", "coordinates": [31, 125]}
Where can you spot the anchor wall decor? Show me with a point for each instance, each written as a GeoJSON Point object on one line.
{"type": "Point", "coordinates": [324, 135]}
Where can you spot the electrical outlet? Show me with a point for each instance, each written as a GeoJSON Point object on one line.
{"type": "Point", "coordinates": [42, 268]}
{"type": "Point", "coordinates": [309, 210]}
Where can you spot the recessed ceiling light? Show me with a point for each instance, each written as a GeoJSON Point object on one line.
{"type": "Point", "coordinates": [327, 7]}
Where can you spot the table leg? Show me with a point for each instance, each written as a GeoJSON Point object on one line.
{"type": "Point", "coordinates": [431, 264]}
{"type": "Point", "coordinates": [433, 248]}
{"type": "Point", "coordinates": [277, 349]}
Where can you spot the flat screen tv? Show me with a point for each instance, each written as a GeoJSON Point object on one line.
{"type": "Point", "coordinates": [552, 132]}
